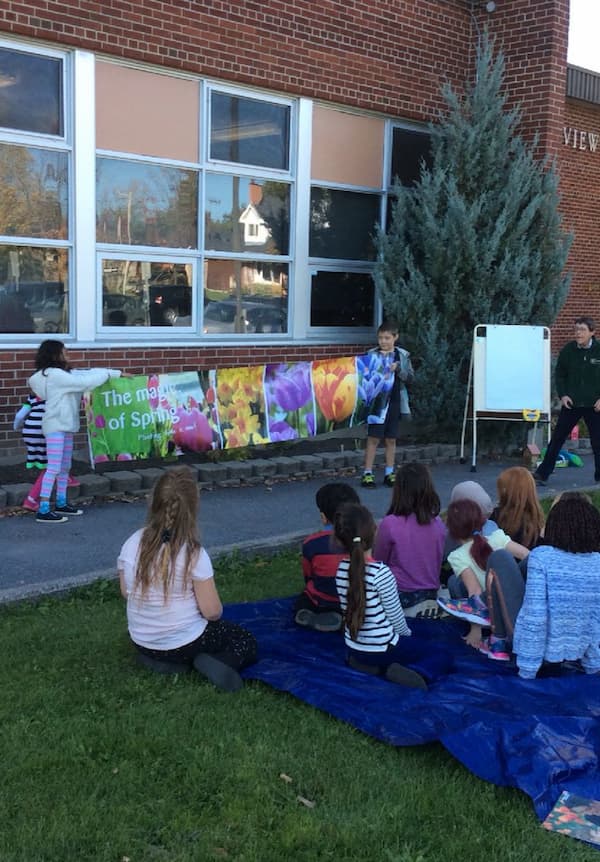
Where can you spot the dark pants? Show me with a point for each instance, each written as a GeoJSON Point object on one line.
{"type": "Point", "coordinates": [505, 590]}
{"type": "Point", "coordinates": [567, 420]}
{"type": "Point", "coordinates": [304, 603]}
{"type": "Point", "coordinates": [416, 653]}
{"type": "Point", "coordinates": [226, 641]}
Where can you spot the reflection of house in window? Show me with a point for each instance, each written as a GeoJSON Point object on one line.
{"type": "Point", "coordinates": [256, 231]}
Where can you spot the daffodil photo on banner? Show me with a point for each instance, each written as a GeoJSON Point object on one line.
{"type": "Point", "coordinates": [241, 406]}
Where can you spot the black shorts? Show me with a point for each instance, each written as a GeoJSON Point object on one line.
{"type": "Point", "coordinates": [389, 429]}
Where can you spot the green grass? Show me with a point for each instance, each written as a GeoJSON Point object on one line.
{"type": "Point", "coordinates": [105, 762]}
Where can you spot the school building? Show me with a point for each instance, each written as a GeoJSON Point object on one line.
{"type": "Point", "coordinates": [191, 185]}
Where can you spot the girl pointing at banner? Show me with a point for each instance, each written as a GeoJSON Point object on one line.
{"type": "Point", "coordinates": [61, 388]}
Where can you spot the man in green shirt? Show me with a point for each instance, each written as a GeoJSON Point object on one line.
{"type": "Point", "coordinates": [578, 386]}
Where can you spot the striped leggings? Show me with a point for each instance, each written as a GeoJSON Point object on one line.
{"type": "Point", "coordinates": [59, 447]}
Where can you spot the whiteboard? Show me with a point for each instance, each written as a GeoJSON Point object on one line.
{"type": "Point", "coordinates": [511, 369]}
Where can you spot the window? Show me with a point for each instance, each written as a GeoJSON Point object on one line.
{"type": "Point", "coordinates": [140, 203]}
{"type": "Point", "coordinates": [342, 298]}
{"type": "Point", "coordinates": [146, 293]}
{"type": "Point", "coordinates": [35, 162]}
{"type": "Point", "coordinates": [243, 214]}
{"type": "Point", "coordinates": [409, 148]}
{"type": "Point", "coordinates": [249, 131]}
{"type": "Point", "coordinates": [244, 296]}
{"type": "Point", "coordinates": [33, 289]}
{"type": "Point", "coordinates": [32, 92]}
{"type": "Point", "coordinates": [342, 224]}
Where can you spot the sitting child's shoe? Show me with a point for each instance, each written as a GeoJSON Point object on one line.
{"type": "Point", "coordinates": [425, 610]}
{"type": "Point", "coordinates": [30, 504]}
{"type": "Point", "coordinates": [495, 648]}
{"type": "Point", "coordinates": [72, 482]}
{"type": "Point", "coordinates": [67, 509]}
{"type": "Point", "coordinates": [218, 672]}
{"type": "Point", "coordinates": [305, 618]}
{"type": "Point", "coordinates": [329, 621]}
{"type": "Point", "coordinates": [401, 675]}
{"type": "Point", "coordinates": [389, 480]}
{"type": "Point", "coordinates": [472, 609]}
{"type": "Point", "coordinates": [368, 480]}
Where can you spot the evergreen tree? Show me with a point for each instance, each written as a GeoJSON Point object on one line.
{"type": "Point", "coordinates": [478, 239]}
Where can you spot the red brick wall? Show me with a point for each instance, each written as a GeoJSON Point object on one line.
{"type": "Point", "coordinates": [377, 54]}
{"type": "Point", "coordinates": [17, 367]}
{"type": "Point", "coordinates": [580, 186]}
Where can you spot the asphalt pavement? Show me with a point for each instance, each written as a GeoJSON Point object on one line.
{"type": "Point", "coordinates": [43, 558]}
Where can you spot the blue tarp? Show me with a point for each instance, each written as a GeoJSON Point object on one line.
{"type": "Point", "coordinates": [542, 736]}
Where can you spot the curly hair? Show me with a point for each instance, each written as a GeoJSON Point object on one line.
{"type": "Point", "coordinates": [573, 524]}
{"type": "Point", "coordinates": [170, 527]}
{"type": "Point", "coordinates": [414, 493]}
{"type": "Point", "coordinates": [50, 355]}
{"type": "Point", "coordinates": [355, 531]}
{"type": "Point", "coordinates": [519, 510]}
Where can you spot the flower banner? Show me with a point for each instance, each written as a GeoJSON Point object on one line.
{"type": "Point", "coordinates": [162, 415]}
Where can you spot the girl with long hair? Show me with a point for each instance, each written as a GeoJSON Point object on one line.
{"type": "Point", "coordinates": [518, 511]}
{"type": "Point", "coordinates": [173, 607]}
{"type": "Point", "coordinates": [469, 563]}
{"type": "Point", "coordinates": [559, 619]}
{"type": "Point", "coordinates": [61, 388]}
{"type": "Point", "coordinates": [410, 540]}
{"type": "Point", "coordinates": [378, 640]}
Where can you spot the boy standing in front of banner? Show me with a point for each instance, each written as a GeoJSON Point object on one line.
{"type": "Point", "coordinates": [400, 366]}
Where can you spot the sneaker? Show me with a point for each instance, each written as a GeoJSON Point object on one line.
{"type": "Point", "coordinates": [539, 479]}
{"type": "Point", "coordinates": [404, 676]}
{"type": "Point", "coordinates": [466, 609]}
{"type": "Point", "coordinates": [330, 621]}
{"type": "Point", "coordinates": [72, 482]}
{"type": "Point", "coordinates": [368, 480]}
{"type": "Point", "coordinates": [69, 510]}
{"type": "Point", "coordinates": [495, 649]}
{"type": "Point", "coordinates": [221, 675]}
{"type": "Point", "coordinates": [389, 480]}
{"type": "Point", "coordinates": [50, 518]}
{"type": "Point", "coordinates": [305, 618]}
{"type": "Point", "coordinates": [30, 504]}
{"type": "Point", "coordinates": [426, 610]}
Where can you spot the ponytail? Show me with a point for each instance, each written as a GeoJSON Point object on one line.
{"type": "Point", "coordinates": [355, 531]}
{"type": "Point", "coordinates": [480, 550]}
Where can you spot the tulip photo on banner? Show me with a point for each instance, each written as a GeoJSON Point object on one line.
{"type": "Point", "coordinates": [165, 415]}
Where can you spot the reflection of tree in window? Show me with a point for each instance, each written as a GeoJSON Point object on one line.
{"type": "Point", "coordinates": [34, 192]}
{"type": "Point", "coordinates": [158, 205]}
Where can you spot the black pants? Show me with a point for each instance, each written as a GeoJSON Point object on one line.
{"type": "Point", "coordinates": [567, 420]}
{"type": "Point", "coordinates": [226, 641]}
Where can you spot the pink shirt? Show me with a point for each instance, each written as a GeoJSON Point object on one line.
{"type": "Point", "coordinates": [412, 551]}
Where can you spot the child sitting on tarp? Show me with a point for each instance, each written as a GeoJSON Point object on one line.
{"type": "Point", "coordinates": [378, 640]}
{"type": "Point", "coordinates": [469, 562]}
{"type": "Point", "coordinates": [318, 606]}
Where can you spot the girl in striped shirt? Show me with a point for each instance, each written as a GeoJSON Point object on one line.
{"type": "Point", "coordinates": [378, 640]}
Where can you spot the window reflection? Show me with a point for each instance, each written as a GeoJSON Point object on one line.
{"type": "Point", "coordinates": [31, 88]}
{"type": "Point", "coordinates": [33, 289]}
{"type": "Point", "coordinates": [249, 131]}
{"type": "Point", "coordinates": [409, 148]}
{"type": "Point", "coordinates": [243, 214]}
{"type": "Point", "coordinates": [243, 296]}
{"type": "Point", "coordinates": [146, 204]}
{"type": "Point", "coordinates": [146, 293]}
{"type": "Point", "coordinates": [342, 224]}
{"type": "Point", "coordinates": [34, 197]}
{"type": "Point", "coordinates": [342, 299]}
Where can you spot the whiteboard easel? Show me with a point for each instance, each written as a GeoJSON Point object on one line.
{"type": "Point", "coordinates": [509, 372]}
